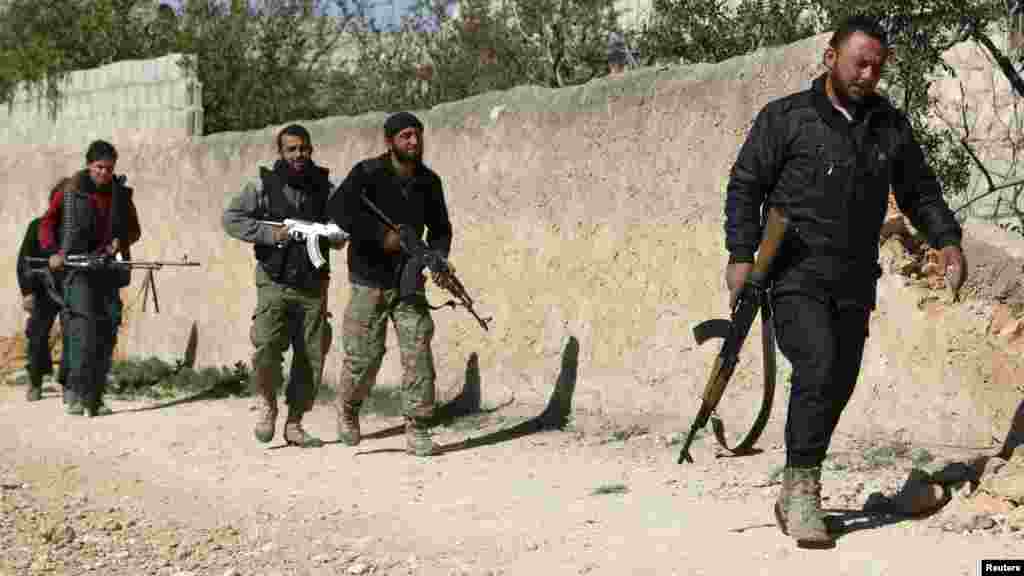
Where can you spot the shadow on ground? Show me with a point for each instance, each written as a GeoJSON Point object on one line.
{"type": "Point", "coordinates": [213, 393]}
{"type": "Point", "coordinates": [554, 417]}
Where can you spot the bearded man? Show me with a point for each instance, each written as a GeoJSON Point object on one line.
{"type": "Point", "coordinates": [826, 158]}
{"type": "Point", "coordinates": [410, 194]}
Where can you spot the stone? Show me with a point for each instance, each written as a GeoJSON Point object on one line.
{"type": "Point", "coordinates": [1017, 456]}
{"type": "Point", "coordinates": [919, 498]}
{"type": "Point", "coordinates": [987, 466]}
{"type": "Point", "coordinates": [1007, 484]}
{"type": "Point", "coordinates": [1015, 519]}
{"type": "Point", "coordinates": [985, 503]}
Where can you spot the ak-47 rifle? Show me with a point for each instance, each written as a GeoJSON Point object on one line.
{"type": "Point", "coordinates": [99, 262]}
{"type": "Point", "coordinates": [421, 256]}
{"type": "Point", "coordinates": [311, 233]}
{"type": "Point", "coordinates": [751, 298]}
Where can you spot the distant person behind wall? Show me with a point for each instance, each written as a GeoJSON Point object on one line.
{"type": "Point", "coordinates": [619, 56]}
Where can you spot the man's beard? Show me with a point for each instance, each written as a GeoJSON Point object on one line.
{"type": "Point", "coordinates": [843, 91]}
{"type": "Point", "coordinates": [412, 157]}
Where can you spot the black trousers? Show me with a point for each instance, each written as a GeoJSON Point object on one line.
{"type": "Point", "coordinates": [824, 341]}
{"type": "Point", "coordinates": [92, 321]}
{"type": "Point", "coordinates": [37, 334]}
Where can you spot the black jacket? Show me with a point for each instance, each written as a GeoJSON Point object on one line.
{"type": "Point", "coordinates": [831, 177]}
{"type": "Point", "coordinates": [30, 247]}
{"type": "Point", "coordinates": [418, 202]}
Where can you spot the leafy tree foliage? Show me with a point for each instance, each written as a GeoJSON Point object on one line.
{"type": "Point", "coordinates": [270, 61]}
{"type": "Point", "coordinates": [435, 56]}
{"type": "Point", "coordinates": [712, 30]}
{"type": "Point", "coordinates": [42, 40]}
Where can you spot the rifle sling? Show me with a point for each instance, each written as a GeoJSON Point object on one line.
{"type": "Point", "coordinates": [768, 342]}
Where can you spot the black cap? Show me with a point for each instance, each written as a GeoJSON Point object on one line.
{"type": "Point", "coordinates": [400, 121]}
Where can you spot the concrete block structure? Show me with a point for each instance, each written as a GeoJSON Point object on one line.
{"type": "Point", "coordinates": [132, 101]}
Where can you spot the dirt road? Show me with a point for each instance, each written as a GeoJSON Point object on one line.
{"type": "Point", "coordinates": [186, 490]}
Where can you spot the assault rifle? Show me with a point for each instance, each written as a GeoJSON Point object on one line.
{"type": "Point", "coordinates": [311, 233]}
{"type": "Point", "coordinates": [102, 262]}
{"type": "Point", "coordinates": [421, 256]}
{"type": "Point", "coordinates": [751, 298]}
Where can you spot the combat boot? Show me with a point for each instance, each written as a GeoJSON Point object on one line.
{"type": "Point", "coordinates": [294, 435]}
{"type": "Point", "coordinates": [418, 440]}
{"type": "Point", "coordinates": [798, 509]}
{"type": "Point", "coordinates": [266, 409]}
{"type": "Point", "coordinates": [73, 403]}
{"type": "Point", "coordinates": [35, 388]}
{"type": "Point", "coordinates": [100, 409]}
{"type": "Point", "coordinates": [348, 422]}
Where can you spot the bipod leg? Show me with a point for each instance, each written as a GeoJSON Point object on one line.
{"type": "Point", "coordinates": [149, 286]}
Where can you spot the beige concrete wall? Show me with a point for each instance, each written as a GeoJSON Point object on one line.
{"type": "Point", "coordinates": [131, 101]}
{"type": "Point", "coordinates": [592, 212]}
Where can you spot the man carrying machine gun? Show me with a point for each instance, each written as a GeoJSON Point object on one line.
{"type": "Point", "coordinates": [93, 216]}
{"type": "Point", "coordinates": [288, 204]}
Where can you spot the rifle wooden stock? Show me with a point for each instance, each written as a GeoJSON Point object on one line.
{"type": "Point", "coordinates": [750, 299]}
{"type": "Point", "coordinates": [775, 227]}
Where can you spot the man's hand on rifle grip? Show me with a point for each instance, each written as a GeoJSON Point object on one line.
{"type": "Point", "coordinates": [57, 262]}
{"type": "Point", "coordinates": [441, 280]}
{"type": "Point", "coordinates": [392, 241]}
{"type": "Point", "coordinates": [281, 234]}
{"type": "Point", "coordinates": [735, 276]}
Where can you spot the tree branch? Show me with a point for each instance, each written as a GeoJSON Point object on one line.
{"type": "Point", "coordinates": [1004, 62]}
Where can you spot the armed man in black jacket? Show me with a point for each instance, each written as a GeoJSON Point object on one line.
{"type": "Point", "coordinates": [410, 194]}
{"type": "Point", "coordinates": [826, 157]}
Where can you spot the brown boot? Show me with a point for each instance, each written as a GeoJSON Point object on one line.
{"type": "Point", "coordinates": [418, 440]}
{"type": "Point", "coordinates": [348, 423]}
{"type": "Point", "coordinates": [294, 435]}
{"type": "Point", "coordinates": [266, 407]}
{"type": "Point", "coordinates": [798, 509]}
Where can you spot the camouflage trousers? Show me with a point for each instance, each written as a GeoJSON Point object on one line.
{"type": "Point", "coordinates": [287, 316]}
{"type": "Point", "coordinates": [364, 328]}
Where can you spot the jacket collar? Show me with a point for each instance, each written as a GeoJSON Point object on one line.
{"type": "Point", "coordinates": [832, 116]}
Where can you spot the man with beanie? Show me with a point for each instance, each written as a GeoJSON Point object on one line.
{"type": "Point", "coordinates": [95, 214]}
{"type": "Point", "coordinates": [411, 195]}
{"type": "Point", "coordinates": [620, 57]}
{"type": "Point", "coordinates": [290, 291]}
{"type": "Point", "coordinates": [827, 157]}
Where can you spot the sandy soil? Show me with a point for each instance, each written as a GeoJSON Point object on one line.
{"type": "Point", "coordinates": [186, 490]}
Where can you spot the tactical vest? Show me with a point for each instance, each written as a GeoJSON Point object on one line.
{"type": "Point", "coordinates": [290, 264]}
